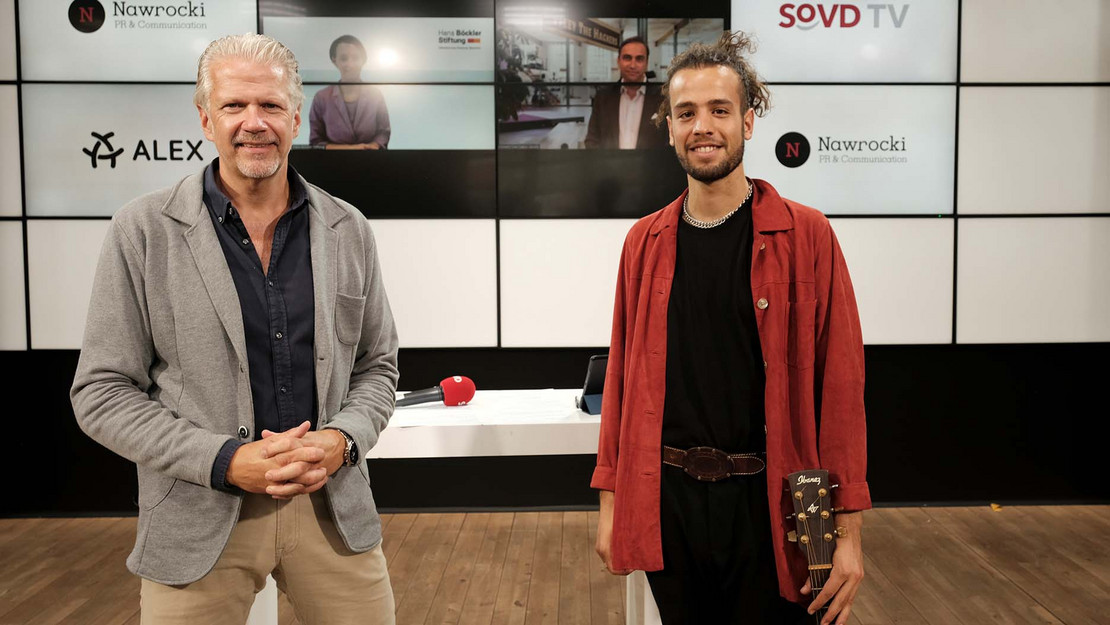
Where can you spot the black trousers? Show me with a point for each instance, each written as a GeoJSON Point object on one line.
{"type": "Point", "coordinates": [718, 560]}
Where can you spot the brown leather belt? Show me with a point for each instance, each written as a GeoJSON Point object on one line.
{"type": "Point", "coordinates": [712, 465]}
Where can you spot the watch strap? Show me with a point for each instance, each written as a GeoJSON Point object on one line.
{"type": "Point", "coordinates": [350, 453]}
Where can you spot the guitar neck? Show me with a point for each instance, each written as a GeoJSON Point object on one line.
{"type": "Point", "coordinates": [817, 579]}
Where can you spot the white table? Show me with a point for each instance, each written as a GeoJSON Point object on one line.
{"type": "Point", "coordinates": [495, 423]}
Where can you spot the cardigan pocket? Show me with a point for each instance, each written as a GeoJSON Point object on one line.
{"type": "Point", "coordinates": [801, 334]}
{"type": "Point", "coordinates": [348, 318]}
{"type": "Point", "coordinates": [154, 487]}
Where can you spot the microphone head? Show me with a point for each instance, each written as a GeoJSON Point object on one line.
{"type": "Point", "coordinates": [457, 390]}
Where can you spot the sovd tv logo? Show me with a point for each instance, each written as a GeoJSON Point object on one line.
{"type": "Point", "coordinates": [809, 16]}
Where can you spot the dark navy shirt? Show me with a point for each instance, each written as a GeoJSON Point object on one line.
{"type": "Point", "coordinates": [278, 309]}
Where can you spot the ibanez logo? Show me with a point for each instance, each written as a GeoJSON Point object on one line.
{"type": "Point", "coordinates": [808, 480]}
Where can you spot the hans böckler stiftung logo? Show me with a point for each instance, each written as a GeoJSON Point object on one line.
{"type": "Point", "coordinates": [86, 15]}
{"type": "Point", "coordinates": [146, 150]}
{"type": "Point", "coordinates": [793, 150]}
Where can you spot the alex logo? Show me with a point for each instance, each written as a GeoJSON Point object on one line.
{"type": "Point", "coordinates": [152, 150]}
{"type": "Point", "coordinates": [809, 16]}
{"type": "Point", "coordinates": [103, 140]}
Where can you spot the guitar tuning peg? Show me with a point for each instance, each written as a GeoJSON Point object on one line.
{"type": "Point", "coordinates": [791, 516]}
{"type": "Point", "coordinates": [841, 531]}
{"type": "Point", "coordinates": [792, 536]}
{"type": "Point", "coordinates": [835, 486]}
{"type": "Point", "coordinates": [838, 509]}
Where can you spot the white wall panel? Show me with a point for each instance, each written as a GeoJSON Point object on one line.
{"type": "Point", "coordinates": [13, 310]}
{"type": "Point", "coordinates": [61, 258]}
{"type": "Point", "coordinates": [134, 41]}
{"type": "Point", "coordinates": [441, 278]}
{"type": "Point", "coordinates": [439, 274]}
{"type": "Point", "coordinates": [902, 274]}
{"type": "Point", "coordinates": [1034, 150]}
{"type": "Point", "coordinates": [558, 278]}
{"type": "Point", "coordinates": [7, 40]}
{"type": "Point", "coordinates": [10, 183]}
{"type": "Point", "coordinates": [1033, 280]}
{"type": "Point", "coordinates": [154, 130]}
{"type": "Point", "coordinates": [851, 41]}
{"type": "Point", "coordinates": [871, 149]}
{"type": "Point", "coordinates": [1035, 41]}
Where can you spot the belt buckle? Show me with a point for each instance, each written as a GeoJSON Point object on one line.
{"type": "Point", "coordinates": [707, 464]}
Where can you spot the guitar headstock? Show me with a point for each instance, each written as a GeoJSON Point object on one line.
{"type": "Point", "coordinates": [813, 515]}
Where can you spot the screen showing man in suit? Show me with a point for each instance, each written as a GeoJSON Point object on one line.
{"type": "Point", "coordinates": [621, 116]}
{"type": "Point", "coordinates": [575, 83]}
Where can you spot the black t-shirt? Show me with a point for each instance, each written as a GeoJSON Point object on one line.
{"type": "Point", "coordinates": [715, 376]}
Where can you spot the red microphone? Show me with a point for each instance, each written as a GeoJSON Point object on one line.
{"type": "Point", "coordinates": [453, 391]}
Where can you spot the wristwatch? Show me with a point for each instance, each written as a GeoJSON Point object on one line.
{"type": "Point", "coordinates": [350, 454]}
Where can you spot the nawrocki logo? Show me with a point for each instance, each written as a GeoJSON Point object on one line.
{"type": "Point", "coordinates": [173, 150]}
{"type": "Point", "coordinates": [792, 150]}
{"type": "Point", "coordinates": [102, 140]}
{"type": "Point", "coordinates": [86, 16]}
{"type": "Point", "coordinates": [809, 16]}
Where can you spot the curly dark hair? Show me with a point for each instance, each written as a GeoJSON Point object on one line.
{"type": "Point", "coordinates": [729, 51]}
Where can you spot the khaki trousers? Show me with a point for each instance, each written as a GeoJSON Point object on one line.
{"type": "Point", "coordinates": [296, 542]}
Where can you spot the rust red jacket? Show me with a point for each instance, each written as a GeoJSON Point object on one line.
{"type": "Point", "coordinates": [809, 329]}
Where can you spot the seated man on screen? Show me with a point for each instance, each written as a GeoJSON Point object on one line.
{"type": "Point", "coordinates": [240, 350]}
{"type": "Point", "coordinates": [734, 328]}
{"type": "Point", "coordinates": [622, 114]}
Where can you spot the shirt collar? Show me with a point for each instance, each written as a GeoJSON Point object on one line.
{"type": "Point", "coordinates": [639, 92]}
{"type": "Point", "coordinates": [220, 204]}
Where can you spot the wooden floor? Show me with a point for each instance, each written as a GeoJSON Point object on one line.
{"type": "Point", "coordinates": [941, 566]}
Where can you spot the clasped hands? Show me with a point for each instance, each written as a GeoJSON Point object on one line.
{"type": "Point", "coordinates": [286, 464]}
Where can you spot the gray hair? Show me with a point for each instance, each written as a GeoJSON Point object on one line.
{"type": "Point", "coordinates": [252, 47]}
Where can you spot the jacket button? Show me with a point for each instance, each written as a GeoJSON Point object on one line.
{"type": "Point", "coordinates": [243, 431]}
{"type": "Point", "coordinates": [762, 303]}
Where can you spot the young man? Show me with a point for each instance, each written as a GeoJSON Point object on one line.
{"type": "Point", "coordinates": [240, 350]}
{"type": "Point", "coordinates": [735, 328]}
{"type": "Point", "coordinates": [621, 113]}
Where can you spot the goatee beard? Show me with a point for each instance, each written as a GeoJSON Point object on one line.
{"type": "Point", "coordinates": [712, 173]}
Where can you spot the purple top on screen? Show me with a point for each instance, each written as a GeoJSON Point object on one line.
{"type": "Point", "coordinates": [331, 122]}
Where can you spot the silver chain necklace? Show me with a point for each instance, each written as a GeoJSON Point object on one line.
{"type": "Point", "coordinates": [697, 223]}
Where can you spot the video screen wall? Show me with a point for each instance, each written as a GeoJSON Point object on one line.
{"type": "Point", "coordinates": [482, 138]}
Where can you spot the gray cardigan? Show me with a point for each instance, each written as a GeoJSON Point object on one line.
{"type": "Point", "coordinates": [163, 379]}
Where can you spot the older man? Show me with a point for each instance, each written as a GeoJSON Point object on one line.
{"type": "Point", "coordinates": [240, 350]}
